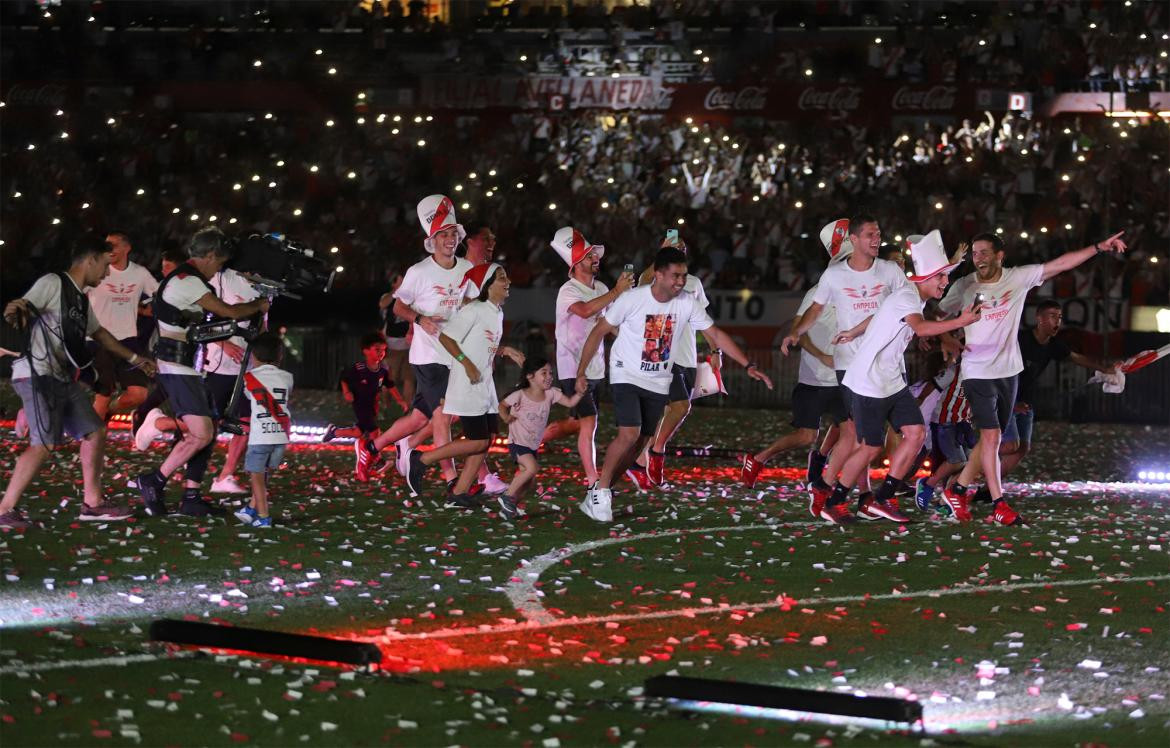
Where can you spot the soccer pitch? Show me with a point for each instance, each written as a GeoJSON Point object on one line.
{"type": "Point", "coordinates": [542, 632]}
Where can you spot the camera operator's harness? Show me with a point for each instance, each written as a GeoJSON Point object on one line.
{"type": "Point", "coordinates": [182, 352]}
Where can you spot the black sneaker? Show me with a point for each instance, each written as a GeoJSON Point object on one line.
{"type": "Point", "coordinates": [475, 490]}
{"type": "Point", "coordinates": [151, 492]}
{"type": "Point", "coordinates": [200, 508]}
{"type": "Point", "coordinates": [507, 507]}
{"type": "Point", "coordinates": [461, 501]}
{"type": "Point", "coordinates": [414, 475]}
{"type": "Point", "coordinates": [329, 435]}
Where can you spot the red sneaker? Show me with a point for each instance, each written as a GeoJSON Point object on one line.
{"type": "Point", "coordinates": [818, 495]}
{"type": "Point", "coordinates": [958, 502]}
{"type": "Point", "coordinates": [750, 471]}
{"type": "Point", "coordinates": [872, 507]}
{"type": "Point", "coordinates": [1005, 515]}
{"type": "Point", "coordinates": [640, 478]}
{"type": "Point", "coordinates": [838, 514]}
{"type": "Point", "coordinates": [654, 468]}
{"type": "Point", "coordinates": [361, 468]}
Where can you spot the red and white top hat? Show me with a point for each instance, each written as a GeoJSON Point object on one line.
{"type": "Point", "coordinates": [435, 213]}
{"type": "Point", "coordinates": [473, 279]}
{"type": "Point", "coordinates": [929, 256]}
{"type": "Point", "coordinates": [835, 238]}
{"type": "Point", "coordinates": [572, 247]}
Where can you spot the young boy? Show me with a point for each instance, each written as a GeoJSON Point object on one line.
{"type": "Point", "coordinates": [361, 385]}
{"type": "Point", "coordinates": [268, 388]}
{"type": "Point", "coordinates": [954, 436]}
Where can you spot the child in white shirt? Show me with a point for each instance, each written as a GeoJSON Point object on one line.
{"type": "Point", "coordinates": [268, 388]}
{"type": "Point", "coordinates": [526, 413]}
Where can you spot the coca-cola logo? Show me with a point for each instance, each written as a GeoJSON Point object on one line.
{"type": "Point", "coordinates": [748, 98]}
{"type": "Point", "coordinates": [47, 95]}
{"type": "Point", "coordinates": [934, 98]}
{"type": "Point", "coordinates": [842, 98]}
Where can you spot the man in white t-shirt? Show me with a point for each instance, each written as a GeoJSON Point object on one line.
{"type": "Point", "coordinates": [991, 355]}
{"type": "Point", "coordinates": [182, 300]}
{"type": "Point", "coordinates": [580, 303]}
{"type": "Point", "coordinates": [855, 288]}
{"type": "Point", "coordinates": [117, 302]}
{"type": "Point", "coordinates": [647, 470]}
{"type": "Point", "coordinates": [647, 322]}
{"type": "Point", "coordinates": [876, 382]}
{"type": "Point", "coordinates": [58, 317]}
{"type": "Point", "coordinates": [220, 365]}
{"type": "Point", "coordinates": [430, 294]}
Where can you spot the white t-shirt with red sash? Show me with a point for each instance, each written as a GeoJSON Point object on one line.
{"type": "Point", "coordinates": [268, 388]}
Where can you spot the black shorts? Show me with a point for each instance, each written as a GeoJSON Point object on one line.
{"type": "Point", "coordinates": [871, 413]}
{"type": "Point", "coordinates": [991, 401]}
{"type": "Point", "coordinates": [846, 395]}
{"type": "Point", "coordinates": [221, 386]}
{"type": "Point", "coordinates": [113, 371]}
{"type": "Point", "coordinates": [519, 450]}
{"type": "Point", "coordinates": [187, 394]}
{"type": "Point", "coordinates": [365, 419]}
{"type": "Point", "coordinates": [810, 402]}
{"type": "Point", "coordinates": [480, 427]}
{"type": "Point", "coordinates": [639, 408]}
{"type": "Point", "coordinates": [430, 387]}
{"type": "Point", "coordinates": [682, 383]}
{"type": "Point", "coordinates": [587, 406]}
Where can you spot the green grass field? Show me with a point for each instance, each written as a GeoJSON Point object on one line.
{"type": "Point", "coordinates": [529, 634]}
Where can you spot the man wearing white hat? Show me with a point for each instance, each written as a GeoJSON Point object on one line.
{"type": "Point", "coordinates": [647, 322]}
{"type": "Point", "coordinates": [876, 381]}
{"type": "Point", "coordinates": [580, 303]}
{"type": "Point", "coordinates": [855, 286]}
{"type": "Point", "coordinates": [992, 360]}
{"type": "Point", "coordinates": [430, 294]}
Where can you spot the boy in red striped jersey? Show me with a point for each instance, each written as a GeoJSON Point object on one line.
{"type": "Point", "coordinates": [954, 436]}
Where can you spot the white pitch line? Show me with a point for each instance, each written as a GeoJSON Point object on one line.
{"type": "Point", "coordinates": [730, 608]}
{"type": "Point", "coordinates": [97, 662]}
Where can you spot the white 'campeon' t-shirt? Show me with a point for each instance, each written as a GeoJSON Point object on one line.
{"type": "Point", "coordinates": [571, 330]}
{"type": "Point", "coordinates": [433, 291]}
{"type": "Point", "coordinates": [264, 428]}
{"type": "Point", "coordinates": [876, 369]}
{"type": "Point", "coordinates": [115, 300]}
{"type": "Point", "coordinates": [992, 348]}
{"type": "Point", "coordinates": [856, 295]}
{"type": "Point", "coordinates": [812, 371]}
{"type": "Point", "coordinates": [231, 288]}
{"type": "Point", "coordinates": [688, 352]}
{"type": "Point", "coordinates": [648, 336]}
{"type": "Point", "coordinates": [477, 328]}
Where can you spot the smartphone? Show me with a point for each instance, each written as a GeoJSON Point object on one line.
{"type": "Point", "coordinates": [629, 268]}
{"type": "Point", "coordinates": [978, 300]}
{"type": "Point", "coordinates": [672, 236]}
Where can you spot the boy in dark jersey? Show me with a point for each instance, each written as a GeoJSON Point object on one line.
{"type": "Point", "coordinates": [361, 384]}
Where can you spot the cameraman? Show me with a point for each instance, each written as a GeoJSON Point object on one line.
{"type": "Point", "coordinates": [57, 316]}
{"type": "Point", "coordinates": [182, 300]}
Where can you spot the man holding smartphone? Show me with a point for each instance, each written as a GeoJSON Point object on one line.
{"type": "Point", "coordinates": [992, 360]}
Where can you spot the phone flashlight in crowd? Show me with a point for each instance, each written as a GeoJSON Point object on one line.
{"type": "Point", "coordinates": [978, 300]}
{"type": "Point", "coordinates": [629, 268]}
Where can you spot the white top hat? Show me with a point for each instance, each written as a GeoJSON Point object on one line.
{"type": "Point", "coordinates": [435, 213]}
{"type": "Point", "coordinates": [835, 238]}
{"type": "Point", "coordinates": [572, 247]}
{"type": "Point", "coordinates": [929, 256]}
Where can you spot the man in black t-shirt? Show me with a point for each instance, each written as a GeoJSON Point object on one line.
{"type": "Point", "coordinates": [1039, 347]}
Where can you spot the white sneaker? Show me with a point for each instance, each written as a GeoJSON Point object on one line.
{"type": "Point", "coordinates": [493, 485]}
{"type": "Point", "coordinates": [402, 455]}
{"type": "Point", "coordinates": [597, 504]}
{"type": "Point", "coordinates": [149, 430]}
{"type": "Point", "coordinates": [227, 485]}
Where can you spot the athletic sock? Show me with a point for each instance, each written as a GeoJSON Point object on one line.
{"type": "Point", "coordinates": [191, 494]}
{"type": "Point", "coordinates": [816, 465]}
{"type": "Point", "coordinates": [958, 488]}
{"type": "Point", "coordinates": [158, 478]}
{"type": "Point", "coordinates": [862, 497]}
{"type": "Point", "coordinates": [839, 496]}
{"type": "Point", "coordinates": [889, 489]}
